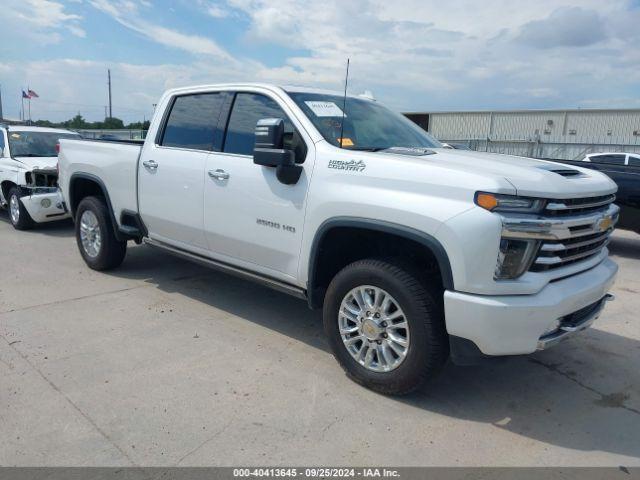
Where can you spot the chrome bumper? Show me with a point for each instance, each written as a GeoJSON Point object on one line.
{"type": "Point", "coordinates": [568, 327]}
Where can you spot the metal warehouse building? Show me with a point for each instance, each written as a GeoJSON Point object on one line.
{"type": "Point", "coordinates": [561, 134]}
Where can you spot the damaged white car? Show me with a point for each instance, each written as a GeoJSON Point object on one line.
{"type": "Point", "coordinates": [29, 174]}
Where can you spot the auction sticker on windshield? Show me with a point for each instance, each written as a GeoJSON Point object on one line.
{"type": "Point", "coordinates": [324, 109]}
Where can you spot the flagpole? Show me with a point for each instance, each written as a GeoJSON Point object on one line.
{"type": "Point", "coordinates": [29, 104]}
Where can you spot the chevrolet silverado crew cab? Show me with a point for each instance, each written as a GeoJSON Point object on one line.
{"type": "Point", "coordinates": [415, 253]}
{"type": "Point", "coordinates": [29, 176]}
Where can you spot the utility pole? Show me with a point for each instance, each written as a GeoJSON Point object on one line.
{"type": "Point", "coordinates": [109, 78]}
{"type": "Point", "coordinates": [105, 112]}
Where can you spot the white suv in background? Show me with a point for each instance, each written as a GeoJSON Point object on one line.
{"type": "Point", "coordinates": [29, 174]}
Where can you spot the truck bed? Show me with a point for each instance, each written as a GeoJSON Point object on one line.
{"type": "Point", "coordinates": [112, 162]}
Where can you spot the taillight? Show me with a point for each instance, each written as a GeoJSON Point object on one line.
{"type": "Point", "coordinates": [57, 147]}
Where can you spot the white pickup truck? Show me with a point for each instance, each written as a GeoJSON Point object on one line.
{"type": "Point", "coordinates": [29, 176]}
{"type": "Point", "coordinates": [416, 253]}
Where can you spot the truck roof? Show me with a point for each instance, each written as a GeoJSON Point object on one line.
{"type": "Point", "coordinates": [268, 86]}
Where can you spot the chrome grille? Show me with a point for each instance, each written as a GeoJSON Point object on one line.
{"type": "Point", "coordinates": [566, 252]}
{"type": "Point", "coordinates": [585, 239]}
{"type": "Point", "coordinates": [576, 206]}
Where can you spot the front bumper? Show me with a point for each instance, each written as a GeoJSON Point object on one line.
{"type": "Point", "coordinates": [44, 205]}
{"type": "Point", "coordinates": [521, 324]}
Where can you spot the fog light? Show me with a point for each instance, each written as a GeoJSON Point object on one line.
{"type": "Point", "coordinates": [45, 203]}
{"type": "Point", "coordinates": [514, 258]}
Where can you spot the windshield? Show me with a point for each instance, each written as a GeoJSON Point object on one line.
{"type": "Point", "coordinates": [367, 124]}
{"type": "Point", "coordinates": [35, 144]}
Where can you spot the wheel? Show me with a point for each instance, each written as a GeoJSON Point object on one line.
{"type": "Point", "coordinates": [95, 235]}
{"type": "Point", "coordinates": [385, 326]}
{"type": "Point", "coordinates": [20, 218]}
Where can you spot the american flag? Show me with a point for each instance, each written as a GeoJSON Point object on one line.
{"type": "Point", "coordinates": [32, 94]}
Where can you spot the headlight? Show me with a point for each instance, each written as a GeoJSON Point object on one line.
{"type": "Point", "coordinates": [508, 203]}
{"type": "Point", "coordinates": [514, 258]}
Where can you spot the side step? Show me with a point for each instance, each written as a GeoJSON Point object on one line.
{"type": "Point", "coordinates": [230, 269]}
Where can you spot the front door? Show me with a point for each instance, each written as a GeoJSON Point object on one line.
{"type": "Point", "coordinates": [250, 218]}
{"type": "Point", "coordinates": [171, 171]}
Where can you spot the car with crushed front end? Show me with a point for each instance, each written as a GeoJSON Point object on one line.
{"type": "Point", "coordinates": [29, 174]}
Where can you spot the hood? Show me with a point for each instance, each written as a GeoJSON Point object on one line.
{"type": "Point", "coordinates": [32, 163]}
{"type": "Point", "coordinates": [530, 177]}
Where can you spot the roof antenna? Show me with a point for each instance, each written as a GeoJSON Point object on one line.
{"type": "Point", "coordinates": [344, 103]}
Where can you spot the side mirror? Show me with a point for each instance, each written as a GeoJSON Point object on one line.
{"type": "Point", "coordinates": [269, 150]}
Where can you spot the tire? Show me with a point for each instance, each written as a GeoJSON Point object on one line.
{"type": "Point", "coordinates": [18, 215]}
{"type": "Point", "coordinates": [95, 235]}
{"type": "Point", "coordinates": [419, 304]}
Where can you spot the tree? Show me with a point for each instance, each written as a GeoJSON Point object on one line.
{"type": "Point", "coordinates": [112, 123]}
{"type": "Point", "coordinates": [76, 122]}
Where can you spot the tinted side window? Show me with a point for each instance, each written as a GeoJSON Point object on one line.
{"type": "Point", "coordinates": [634, 161]}
{"type": "Point", "coordinates": [609, 159]}
{"type": "Point", "coordinates": [248, 108]}
{"type": "Point", "coordinates": [193, 121]}
{"type": "Point", "coordinates": [1, 139]}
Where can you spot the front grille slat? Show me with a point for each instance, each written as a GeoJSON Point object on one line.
{"type": "Point", "coordinates": [584, 242]}
{"type": "Point", "coordinates": [574, 206]}
{"type": "Point", "coordinates": [577, 243]}
{"type": "Point", "coordinates": [570, 258]}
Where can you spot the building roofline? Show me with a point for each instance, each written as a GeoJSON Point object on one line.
{"type": "Point", "coordinates": [542, 110]}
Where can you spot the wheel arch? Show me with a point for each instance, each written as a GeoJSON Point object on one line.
{"type": "Point", "coordinates": [83, 185]}
{"type": "Point", "coordinates": [6, 187]}
{"type": "Point", "coordinates": [431, 245]}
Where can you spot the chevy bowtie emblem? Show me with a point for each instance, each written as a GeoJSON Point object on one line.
{"type": "Point", "coordinates": [605, 223]}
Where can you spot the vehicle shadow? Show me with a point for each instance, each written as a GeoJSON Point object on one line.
{"type": "Point", "coordinates": [58, 228]}
{"type": "Point", "coordinates": [581, 395]}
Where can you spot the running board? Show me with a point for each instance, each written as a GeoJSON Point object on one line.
{"type": "Point", "coordinates": [226, 268]}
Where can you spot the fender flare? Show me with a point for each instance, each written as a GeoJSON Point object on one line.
{"type": "Point", "coordinates": [426, 240]}
{"type": "Point", "coordinates": [105, 193]}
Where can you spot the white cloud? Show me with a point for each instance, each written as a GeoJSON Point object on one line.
{"type": "Point", "coordinates": [565, 27]}
{"type": "Point", "coordinates": [125, 12]}
{"type": "Point", "coordinates": [41, 20]}
{"type": "Point", "coordinates": [216, 11]}
{"type": "Point", "coordinates": [413, 54]}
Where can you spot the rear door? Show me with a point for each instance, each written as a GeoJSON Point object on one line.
{"type": "Point", "coordinates": [251, 219]}
{"type": "Point", "coordinates": [171, 170]}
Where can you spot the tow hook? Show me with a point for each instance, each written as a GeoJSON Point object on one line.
{"type": "Point", "coordinates": [609, 297]}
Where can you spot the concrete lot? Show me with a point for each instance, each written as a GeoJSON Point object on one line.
{"type": "Point", "coordinates": [163, 362]}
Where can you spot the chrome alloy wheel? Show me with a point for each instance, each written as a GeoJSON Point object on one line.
{"type": "Point", "coordinates": [90, 233]}
{"type": "Point", "coordinates": [14, 209]}
{"type": "Point", "coordinates": [373, 328]}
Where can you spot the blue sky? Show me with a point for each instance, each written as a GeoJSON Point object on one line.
{"type": "Point", "coordinates": [412, 54]}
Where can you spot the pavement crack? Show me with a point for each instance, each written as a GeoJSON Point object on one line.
{"type": "Point", "coordinates": [70, 402]}
{"type": "Point", "coordinates": [604, 397]}
{"type": "Point", "coordinates": [58, 302]}
{"type": "Point", "coordinates": [213, 437]}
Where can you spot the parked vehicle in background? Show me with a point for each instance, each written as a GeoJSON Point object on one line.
{"type": "Point", "coordinates": [415, 252]}
{"type": "Point", "coordinates": [29, 176]}
{"type": "Point", "coordinates": [624, 169]}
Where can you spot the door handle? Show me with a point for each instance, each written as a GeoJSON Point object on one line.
{"type": "Point", "coordinates": [150, 164]}
{"type": "Point", "coordinates": [218, 174]}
